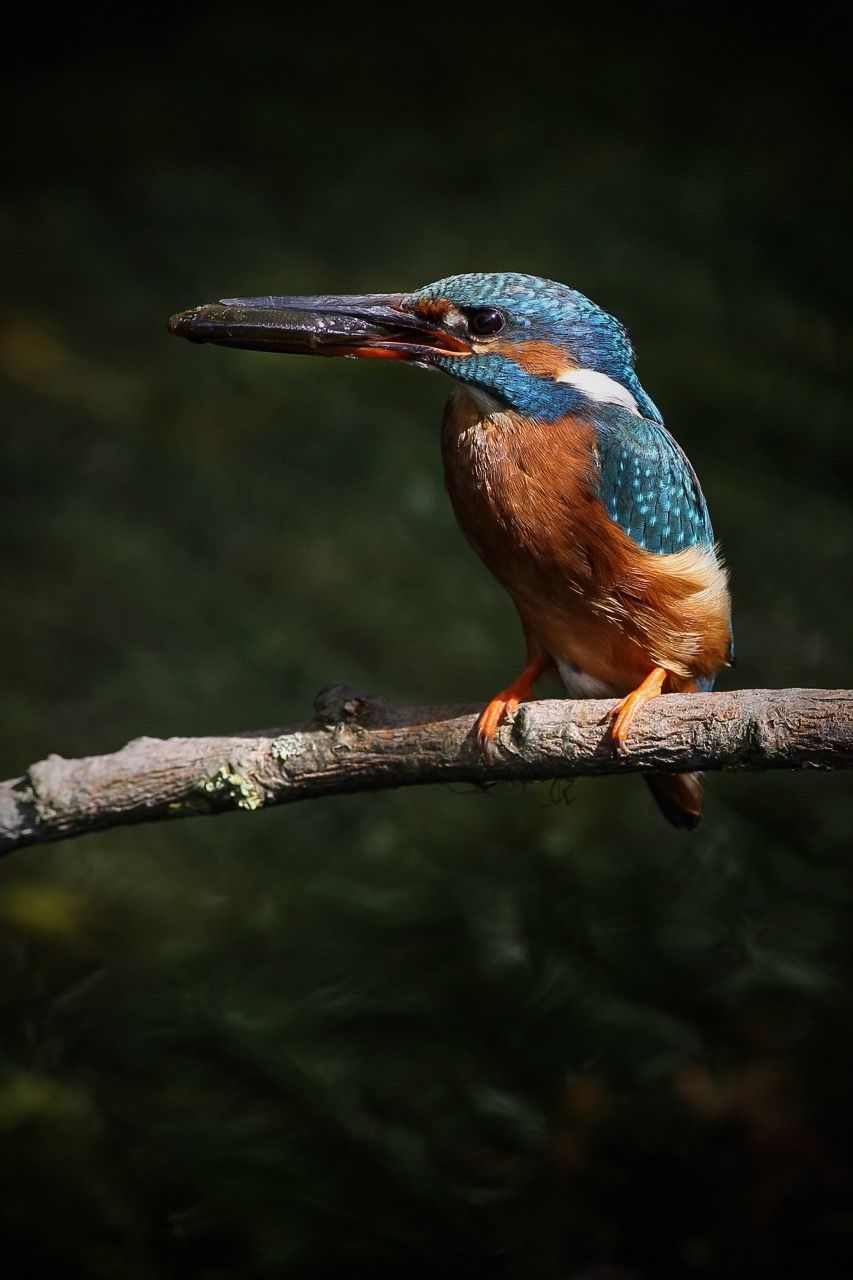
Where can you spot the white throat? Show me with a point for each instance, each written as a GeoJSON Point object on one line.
{"type": "Point", "coordinates": [487, 404]}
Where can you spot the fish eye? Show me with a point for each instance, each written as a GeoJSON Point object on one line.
{"type": "Point", "coordinates": [485, 321]}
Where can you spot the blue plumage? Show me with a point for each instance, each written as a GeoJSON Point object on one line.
{"type": "Point", "coordinates": [538, 310]}
{"type": "Point", "coordinates": [648, 486]}
{"type": "Point", "coordinates": [646, 483]}
{"type": "Point", "coordinates": [650, 489]}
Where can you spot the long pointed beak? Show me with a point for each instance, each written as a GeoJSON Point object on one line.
{"type": "Point", "coordinates": [369, 325]}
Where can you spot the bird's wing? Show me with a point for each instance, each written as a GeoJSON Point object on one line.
{"type": "Point", "coordinates": [648, 486]}
{"type": "Point", "coordinates": [650, 489]}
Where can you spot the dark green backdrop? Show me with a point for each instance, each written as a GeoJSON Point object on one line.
{"type": "Point", "coordinates": [520, 1033]}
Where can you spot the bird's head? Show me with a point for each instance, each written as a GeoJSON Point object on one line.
{"type": "Point", "coordinates": [514, 341]}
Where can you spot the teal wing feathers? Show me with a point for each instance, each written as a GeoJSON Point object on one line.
{"type": "Point", "coordinates": [648, 486]}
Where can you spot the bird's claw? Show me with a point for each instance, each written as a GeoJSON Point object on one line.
{"type": "Point", "coordinates": [620, 723]}
{"type": "Point", "coordinates": [620, 744]}
{"type": "Point", "coordinates": [622, 716]}
{"type": "Point", "coordinates": [490, 721]}
{"type": "Point", "coordinates": [505, 704]}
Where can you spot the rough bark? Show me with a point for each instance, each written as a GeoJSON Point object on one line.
{"type": "Point", "coordinates": [359, 743]}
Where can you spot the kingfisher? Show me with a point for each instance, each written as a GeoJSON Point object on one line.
{"type": "Point", "coordinates": [561, 474]}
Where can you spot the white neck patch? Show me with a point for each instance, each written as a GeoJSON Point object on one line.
{"type": "Point", "coordinates": [486, 403]}
{"type": "Point", "coordinates": [599, 387]}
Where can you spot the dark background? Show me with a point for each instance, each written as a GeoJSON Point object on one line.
{"type": "Point", "coordinates": [523, 1033]}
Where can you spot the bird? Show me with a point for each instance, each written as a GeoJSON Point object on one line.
{"type": "Point", "coordinates": [562, 477]}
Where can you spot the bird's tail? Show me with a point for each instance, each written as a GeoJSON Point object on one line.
{"type": "Point", "coordinates": [678, 796]}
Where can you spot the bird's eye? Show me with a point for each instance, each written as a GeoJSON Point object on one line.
{"type": "Point", "coordinates": [485, 321]}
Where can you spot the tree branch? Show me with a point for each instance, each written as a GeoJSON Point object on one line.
{"type": "Point", "coordinates": [359, 743]}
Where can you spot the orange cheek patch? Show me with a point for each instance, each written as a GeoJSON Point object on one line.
{"type": "Point", "coordinates": [434, 308]}
{"type": "Point", "coordinates": [542, 359]}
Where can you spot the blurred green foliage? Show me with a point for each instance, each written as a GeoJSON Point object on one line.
{"type": "Point", "coordinates": [488, 1033]}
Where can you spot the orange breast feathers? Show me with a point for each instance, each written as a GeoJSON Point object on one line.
{"type": "Point", "coordinates": [526, 496]}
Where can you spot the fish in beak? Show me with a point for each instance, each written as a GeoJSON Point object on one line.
{"type": "Point", "coordinates": [373, 325]}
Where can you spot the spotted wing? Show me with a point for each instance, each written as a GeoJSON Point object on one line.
{"type": "Point", "coordinates": [650, 489]}
{"type": "Point", "coordinates": [648, 486]}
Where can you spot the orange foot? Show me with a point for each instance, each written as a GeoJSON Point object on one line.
{"type": "Point", "coordinates": [504, 703]}
{"type": "Point", "coordinates": [622, 715]}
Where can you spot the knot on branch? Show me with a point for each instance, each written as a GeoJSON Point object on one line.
{"type": "Point", "coordinates": [338, 703]}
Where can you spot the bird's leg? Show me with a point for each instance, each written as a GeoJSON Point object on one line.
{"type": "Point", "coordinates": [504, 703]}
{"type": "Point", "coordinates": [622, 715]}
